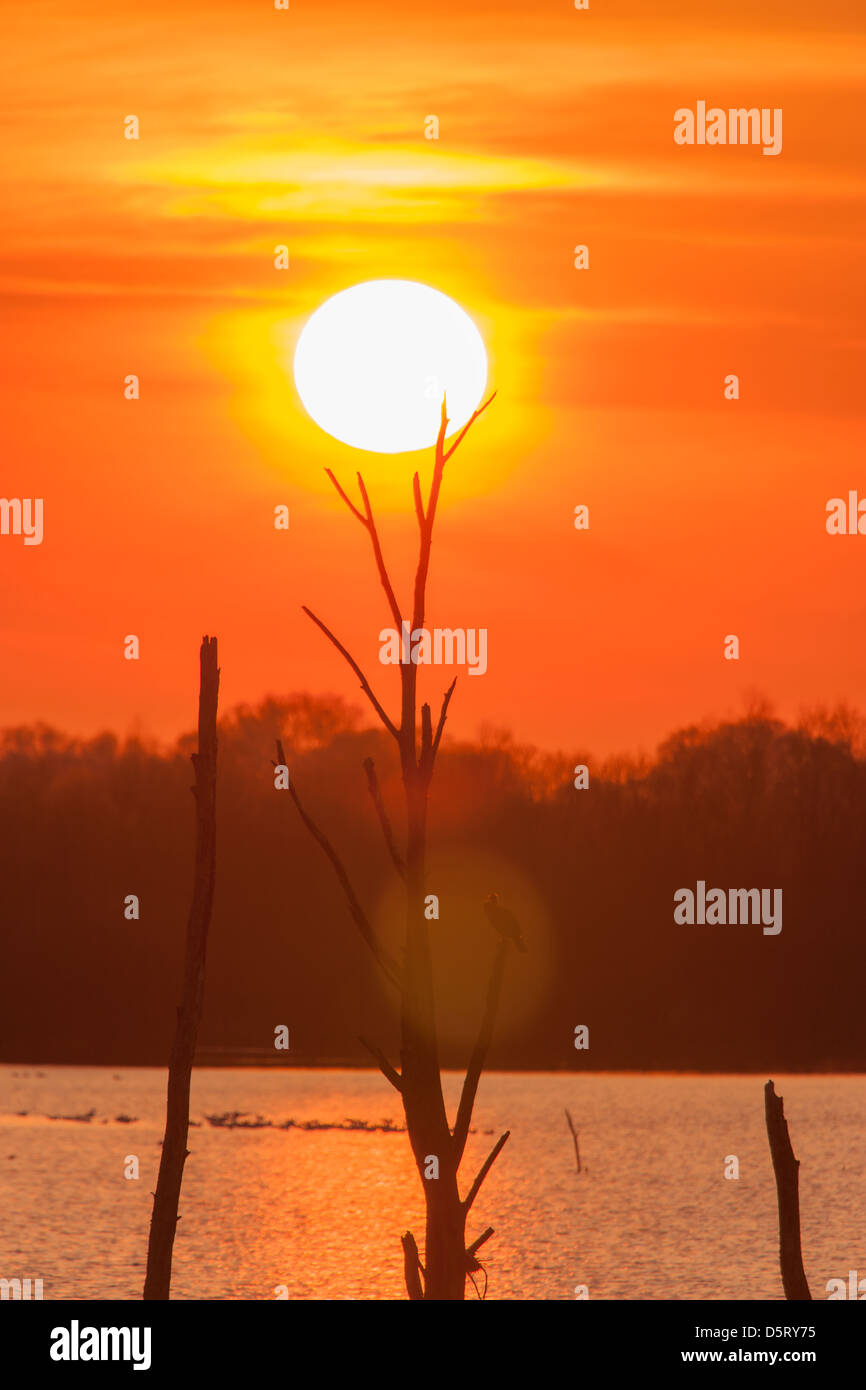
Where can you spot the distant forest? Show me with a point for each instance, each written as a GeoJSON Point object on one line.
{"type": "Point", "coordinates": [590, 875]}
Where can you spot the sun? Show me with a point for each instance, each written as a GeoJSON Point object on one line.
{"type": "Point", "coordinates": [373, 362]}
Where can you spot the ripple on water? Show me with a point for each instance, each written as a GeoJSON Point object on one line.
{"type": "Point", "coordinates": [319, 1205]}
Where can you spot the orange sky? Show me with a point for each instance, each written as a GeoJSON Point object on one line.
{"type": "Point", "coordinates": [556, 127]}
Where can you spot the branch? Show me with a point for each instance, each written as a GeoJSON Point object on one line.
{"type": "Point", "coordinates": [442, 457]}
{"type": "Point", "coordinates": [388, 965]}
{"type": "Point", "coordinates": [384, 1065]}
{"type": "Point", "coordinates": [373, 784]}
{"type": "Point", "coordinates": [443, 714]}
{"type": "Point", "coordinates": [380, 559]}
{"type": "Point", "coordinates": [472, 1250]}
{"type": "Point", "coordinates": [438, 466]}
{"type": "Point", "coordinates": [365, 685]}
{"type": "Point", "coordinates": [408, 674]}
{"type": "Point", "coordinates": [412, 1266]}
{"type": "Point", "coordinates": [485, 1169]}
{"type": "Point", "coordinates": [476, 1063]}
{"type": "Point", "coordinates": [426, 736]}
{"type": "Point", "coordinates": [427, 528]}
{"type": "Point", "coordinates": [366, 520]}
{"type": "Point", "coordinates": [348, 501]}
{"type": "Point", "coordinates": [467, 427]}
{"type": "Point", "coordinates": [574, 1137]}
{"type": "Point", "coordinates": [419, 505]}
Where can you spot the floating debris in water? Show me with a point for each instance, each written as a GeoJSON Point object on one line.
{"type": "Point", "coordinates": [86, 1118]}
{"type": "Point", "coordinates": [240, 1119]}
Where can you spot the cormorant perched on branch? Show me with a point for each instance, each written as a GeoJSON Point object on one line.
{"type": "Point", "coordinates": [503, 921]}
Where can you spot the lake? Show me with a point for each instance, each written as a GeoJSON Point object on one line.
{"type": "Point", "coordinates": [321, 1211]}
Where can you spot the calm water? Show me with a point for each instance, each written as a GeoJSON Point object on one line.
{"type": "Point", "coordinates": [322, 1212]}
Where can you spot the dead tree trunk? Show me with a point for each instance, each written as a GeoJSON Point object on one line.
{"type": "Point", "coordinates": [787, 1170]}
{"type": "Point", "coordinates": [447, 1260]}
{"type": "Point", "coordinates": [165, 1217]}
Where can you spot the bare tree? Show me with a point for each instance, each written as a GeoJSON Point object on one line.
{"type": "Point", "coordinates": [164, 1218]}
{"type": "Point", "coordinates": [447, 1259]}
{"type": "Point", "coordinates": [787, 1170]}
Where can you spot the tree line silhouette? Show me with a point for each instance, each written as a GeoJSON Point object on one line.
{"type": "Point", "coordinates": [590, 874]}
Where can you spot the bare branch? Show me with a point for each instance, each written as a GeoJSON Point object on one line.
{"type": "Point", "coordinates": [427, 530]}
{"type": "Point", "coordinates": [443, 715]}
{"type": "Point", "coordinates": [426, 735]}
{"type": "Point", "coordinates": [384, 1065]}
{"type": "Point", "coordinates": [389, 966]}
{"type": "Point", "coordinates": [467, 427]}
{"type": "Point", "coordinates": [575, 1138]}
{"type": "Point", "coordinates": [485, 1168]}
{"type": "Point", "coordinates": [438, 465]}
{"type": "Point", "coordinates": [412, 1266]}
{"type": "Point", "coordinates": [419, 505]}
{"type": "Point", "coordinates": [348, 501]}
{"type": "Point", "coordinates": [472, 1250]}
{"type": "Point", "coordinates": [365, 685]}
{"type": "Point", "coordinates": [373, 784]}
{"type": "Point", "coordinates": [366, 520]}
{"type": "Point", "coordinates": [346, 498]}
{"type": "Point", "coordinates": [479, 1054]}
{"type": "Point", "coordinates": [380, 559]}
{"type": "Point", "coordinates": [442, 457]}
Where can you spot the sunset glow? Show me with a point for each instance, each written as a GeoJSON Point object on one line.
{"type": "Point", "coordinates": [156, 256]}
{"type": "Point", "coordinates": [374, 363]}
{"type": "Point", "coordinates": [433, 704]}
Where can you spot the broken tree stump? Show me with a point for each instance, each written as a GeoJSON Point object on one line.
{"type": "Point", "coordinates": [787, 1170]}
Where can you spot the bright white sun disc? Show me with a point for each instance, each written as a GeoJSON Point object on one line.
{"type": "Point", "coordinates": [372, 364]}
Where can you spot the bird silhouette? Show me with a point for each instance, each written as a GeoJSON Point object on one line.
{"type": "Point", "coordinates": [503, 921]}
